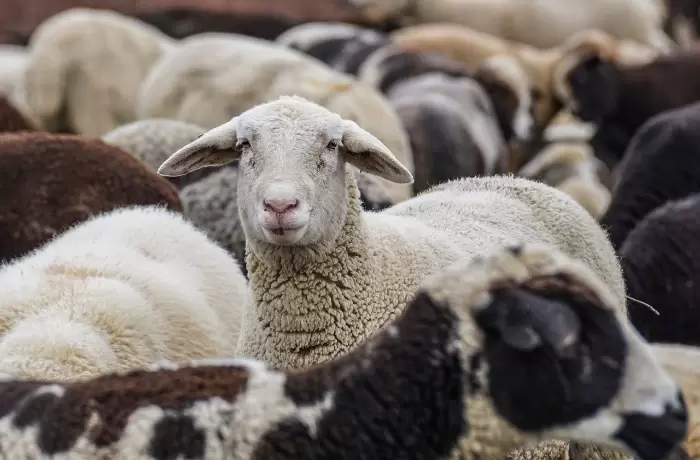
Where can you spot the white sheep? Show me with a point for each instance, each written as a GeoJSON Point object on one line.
{"type": "Point", "coordinates": [85, 68]}
{"type": "Point", "coordinates": [324, 275]}
{"type": "Point", "coordinates": [213, 77]}
{"type": "Point", "coordinates": [521, 345]}
{"type": "Point", "coordinates": [119, 291]}
{"type": "Point", "coordinates": [540, 23]}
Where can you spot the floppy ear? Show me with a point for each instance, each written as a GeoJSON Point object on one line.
{"type": "Point", "coordinates": [525, 321]}
{"type": "Point", "coordinates": [214, 148]}
{"type": "Point", "coordinates": [369, 154]}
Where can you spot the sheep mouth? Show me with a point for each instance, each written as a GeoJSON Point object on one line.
{"type": "Point", "coordinates": [280, 231]}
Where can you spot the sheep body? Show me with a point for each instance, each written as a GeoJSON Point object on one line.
{"type": "Point", "coordinates": [572, 168]}
{"type": "Point", "coordinates": [660, 268]}
{"type": "Point", "coordinates": [119, 291]}
{"type": "Point", "coordinates": [206, 83]}
{"type": "Point", "coordinates": [439, 365]}
{"type": "Point", "coordinates": [342, 46]}
{"type": "Point", "coordinates": [452, 128]}
{"type": "Point", "coordinates": [49, 182]}
{"type": "Point", "coordinates": [659, 165]}
{"type": "Point", "coordinates": [544, 23]}
{"type": "Point", "coordinates": [152, 141]}
{"type": "Point", "coordinates": [85, 68]}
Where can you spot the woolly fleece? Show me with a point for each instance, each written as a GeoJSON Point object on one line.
{"type": "Point", "coordinates": [120, 291]}
{"type": "Point", "coordinates": [85, 68]}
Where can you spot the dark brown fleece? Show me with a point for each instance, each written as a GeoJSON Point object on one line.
{"type": "Point", "coordinates": [11, 119]}
{"type": "Point", "coordinates": [49, 182]}
{"type": "Point", "coordinates": [661, 164]}
{"type": "Point", "coordinates": [661, 264]}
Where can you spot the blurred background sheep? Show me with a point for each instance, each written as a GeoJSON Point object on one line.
{"type": "Point", "coordinates": [597, 98]}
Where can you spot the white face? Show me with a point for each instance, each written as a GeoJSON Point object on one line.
{"type": "Point", "coordinates": [291, 176]}
{"type": "Point", "coordinates": [291, 182]}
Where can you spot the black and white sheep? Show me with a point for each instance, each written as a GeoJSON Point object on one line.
{"type": "Point", "coordinates": [342, 46]}
{"type": "Point", "coordinates": [49, 182]}
{"type": "Point", "coordinates": [452, 126]}
{"type": "Point", "coordinates": [662, 163]}
{"type": "Point", "coordinates": [521, 344]}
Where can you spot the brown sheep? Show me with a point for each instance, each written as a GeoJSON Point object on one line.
{"type": "Point", "coordinates": [11, 119]}
{"type": "Point", "coordinates": [50, 182]}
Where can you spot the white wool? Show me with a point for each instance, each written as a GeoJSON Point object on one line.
{"type": "Point", "coordinates": [540, 23]}
{"type": "Point", "coordinates": [214, 76]}
{"type": "Point", "coordinates": [89, 63]}
{"type": "Point", "coordinates": [13, 61]}
{"type": "Point", "coordinates": [122, 290]}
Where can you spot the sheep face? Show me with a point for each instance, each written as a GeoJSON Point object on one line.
{"type": "Point", "coordinates": [588, 86]}
{"type": "Point", "coordinates": [510, 90]}
{"type": "Point", "coordinates": [555, 356]}
{"type": "Point", "coordinates": [292, 154]}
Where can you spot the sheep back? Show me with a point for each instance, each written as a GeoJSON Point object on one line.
{"type": "Point", "coordinates": [152, 141]}
{"type": "Point", "coordinates": [661, 261]}
{"type": "Point", "coordinates": [85, 67]}
{"type": "Point", "coordinates": [661, 164]}
{"type": "Point", "coordinates": [48, 182]}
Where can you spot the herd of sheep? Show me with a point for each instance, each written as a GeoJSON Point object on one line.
{"type": "Point", "coordinates": [470, 238]}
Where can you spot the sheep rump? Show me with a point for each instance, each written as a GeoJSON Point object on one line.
{"type": "Point", "coordinates": [120, 291]}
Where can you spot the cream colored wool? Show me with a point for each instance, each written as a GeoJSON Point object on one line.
{"type": "Point", "coordinates": [13, 61]}
{"type": "Point", "coordinates": [213, 77]}
{"type": "Point", "coordinates": [539, 23]}
{"type": "Point", "coordinates": [120, 291]}
{"type": "Point", "coordinates": [153, 140]}
{"type": "Point", "coordinates": [317, 301]}
{"type": "Point", "coordinates": [89, 64]}
{"type": "Point", "coordinates": [572, 167]}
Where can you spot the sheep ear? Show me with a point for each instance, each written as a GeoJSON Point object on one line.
{"type": "Point", "coordinates": [369, 154]}
{"type": "Point", "coordinates": [525, 321]}
{"type": "Point", "coordinates": [214, 148]}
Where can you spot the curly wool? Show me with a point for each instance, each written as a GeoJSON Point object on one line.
{"type": "Point", "coordinates": [354, 287]}
{"type": "Point", "coordinates": [315, 305]}
{"type": "Point", "coordinates": [119, 291]}
{"type": "Point", "coordinates": [152, 141]}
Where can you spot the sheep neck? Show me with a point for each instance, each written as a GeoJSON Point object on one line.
{"type": "Point", "coordinates": [301, 295]}
{"type": "Point", "coordinates": [400, 395]}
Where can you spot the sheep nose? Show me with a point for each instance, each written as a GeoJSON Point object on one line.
{"type": "Point", "coordinates": [280, 206]}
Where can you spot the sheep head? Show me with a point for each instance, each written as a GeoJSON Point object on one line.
{"type": "Point", "coordinates": [545, 343]}
{"type": "Point", "coordinates": [292, 156]}
{"type": "Point", "coordinates": [585, 79]}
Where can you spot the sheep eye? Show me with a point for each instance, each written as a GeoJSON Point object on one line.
{"type": "Point", "coordinates": [243, 144]}
{"type": "Point", "coordinates": [332, 145]}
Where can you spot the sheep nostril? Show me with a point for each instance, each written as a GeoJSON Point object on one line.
{"type": "Point", "coordinates": [280, 206]}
